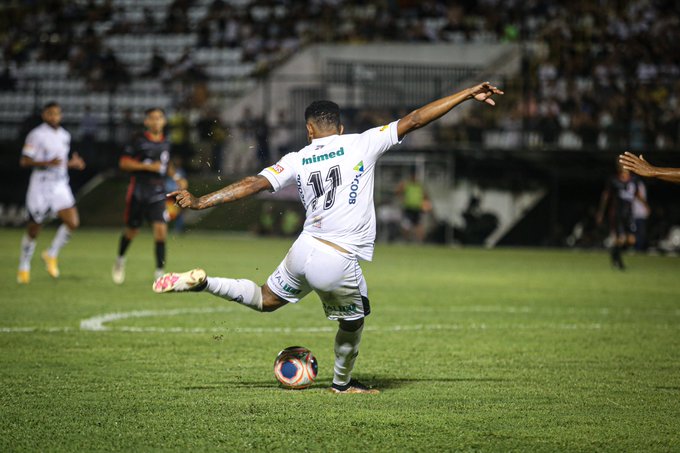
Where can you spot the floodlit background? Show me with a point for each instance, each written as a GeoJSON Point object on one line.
{"type": "Point", "coordinates": [507, 329]}
{"type": "Point", "coordinates": [584, 81]}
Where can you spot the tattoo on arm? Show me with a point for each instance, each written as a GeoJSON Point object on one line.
{"type": "Point", "coordinates": [241, 189]}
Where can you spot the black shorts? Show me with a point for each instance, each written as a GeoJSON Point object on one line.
{"type": "Point", "coordinates": [413, 216]}
{"type": "Point", "coordinates": [624, 223]}
{"type": "Point", "coordinates": [136, 211]}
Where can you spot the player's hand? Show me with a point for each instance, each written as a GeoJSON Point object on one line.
{"type": "Point", "coordinates": [76, 162]}
{"type": "Point", "coordinates": [636, 164]}
{"type": "Point", "coordinates": [184, 199]}
{"type": "Point", "coordinates": [484, 91]}
{"type": "Point", "coordinates": [53, 163]}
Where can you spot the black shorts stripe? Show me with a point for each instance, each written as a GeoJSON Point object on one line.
{"type": "Point", "coordinates": [367, 305]}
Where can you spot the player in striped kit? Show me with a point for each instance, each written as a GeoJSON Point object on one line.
{"type": "Point", "coordinates": [46, 152]}
{"type": "Point", "coordinates": [147, 159]}
{"type": "Point", "coordinates": [334, 176]}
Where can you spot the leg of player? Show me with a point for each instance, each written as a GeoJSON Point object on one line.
{"type": "Point", "coordinates": [118, 271]}
{"type": "Point", "coordinates": [617, 258]}
{"type": "Point", "coordinates": [71, 221]}
{"type": "Point", "coordinates": [160, 233]}
{"type": "Point", "coordinates": [245, 292]}
{"type": "Point", "coordinates": [347, 342]}
{"type": "Point", "coordinates": [27, 249]}
{"type": "Point", "coordinates": [242, 291]}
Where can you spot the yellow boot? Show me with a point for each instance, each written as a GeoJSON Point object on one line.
{"type": "Point", "coordinates": [23, 277]}
{"type": "Point", "coordinates": [51, 264]}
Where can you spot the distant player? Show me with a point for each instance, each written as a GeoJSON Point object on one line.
{"type": "Point", "coordinates": [639, 165]}
{"type": "Point", "coordinates": [334, 176]}
{"type": "Point", "coordinates": [148, 161]}
{"type": "Point", "coordinates": [46, 151]}
{"type": "Point", "coordinates": [618, 195]}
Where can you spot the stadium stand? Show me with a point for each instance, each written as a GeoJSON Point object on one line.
{"type": "Point", "coordinates": [587, 94]}
{"type": "Point", "coordinates": [597, 77]}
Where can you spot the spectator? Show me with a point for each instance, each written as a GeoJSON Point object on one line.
{"type": "Point", "coordinates": [415, 203]}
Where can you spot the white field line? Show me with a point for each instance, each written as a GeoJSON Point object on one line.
{"type": "Point", "coordinates": [34, 329]}
{"type": "Point", "coordinates": [96, 323]}
{"type": "Point", "coordinates": [99, 323]}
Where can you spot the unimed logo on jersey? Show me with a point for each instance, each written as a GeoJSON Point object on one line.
{"type": "Point", "coordinates": [322, 157]}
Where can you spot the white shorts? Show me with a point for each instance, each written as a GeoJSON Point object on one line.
{"type": "Point", "coordinates": [45, 199]}
{"type": "Point", "coordinates": [335, 276]}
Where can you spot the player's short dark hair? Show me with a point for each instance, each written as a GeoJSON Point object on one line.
{"type": "Point", "coordinates": [150, 110]}
{"type": "Point", "coordinates": [326, 114]}
{"type": "Point", "coordinates": [50, 104]}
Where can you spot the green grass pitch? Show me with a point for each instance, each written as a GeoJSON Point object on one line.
{"type": "Point", "coordinates": [484, 350]}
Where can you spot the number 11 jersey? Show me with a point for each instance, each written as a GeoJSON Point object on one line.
{"type": "Point", "coordinates": [335, 177]}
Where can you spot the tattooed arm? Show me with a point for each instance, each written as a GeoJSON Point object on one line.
{"type": "Point", "coordinates": [246, 187]}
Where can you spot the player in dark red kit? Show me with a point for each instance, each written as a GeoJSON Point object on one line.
{"type": "Point", "coordinates": [148, 161]}
{"type": "Point", "coordinates": [619, 194]}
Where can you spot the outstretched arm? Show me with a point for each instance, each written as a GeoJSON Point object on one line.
{"type": "Point", "coordinates": [246, 187]}
{"type": "Point", "coordinates": [639, 165]}
{"type": "Point", "coordinates": [435, 110]}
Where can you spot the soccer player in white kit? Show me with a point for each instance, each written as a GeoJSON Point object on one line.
{"type": "Point", "coordinates": [334, 178]}
{"type": "Point", "coordinates": [46, 151]}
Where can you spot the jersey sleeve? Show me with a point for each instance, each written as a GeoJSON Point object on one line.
{"type": "Point", "coordinates": [379, 139]}
{"type": "Point", "coordinates": [281, 174]}
{"type": "Point", "coordinates": [31, 145]}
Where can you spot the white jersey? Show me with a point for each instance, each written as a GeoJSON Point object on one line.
{"type": "Point", "coordinates": [45, 143]}
{"type": "Point", "coordinates": [48, 190]}
{"type": "Point", "coordinates": [335, 177]}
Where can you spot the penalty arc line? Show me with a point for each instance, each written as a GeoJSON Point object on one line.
{"type": "Point", "coordinates": [99, 324]}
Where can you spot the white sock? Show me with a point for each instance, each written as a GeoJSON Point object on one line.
{"type": "Point", "coordinates": [346, 351]}
{"type": "Point", "coordinates": [60, 240]}
{"type": "Point", "coordinates": [27, 250]}
{"type": "Point", "coordinates": [245, 292]}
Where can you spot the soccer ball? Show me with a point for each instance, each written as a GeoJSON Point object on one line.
{"type": "Point", "coordinates": [295, 367]}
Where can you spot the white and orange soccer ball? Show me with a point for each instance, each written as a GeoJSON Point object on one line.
{"type": "Point", "coordinates": [295, 367]}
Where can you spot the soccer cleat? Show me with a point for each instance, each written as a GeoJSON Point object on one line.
{"type": "Point", "coordinates": [23, 277]}
{"type": "Point", "coordinates": [118, 272]}
{"type": "Point", "coordinates": [354, 386]}
{"type": "Point", "coordinates": [193, 280]}
{"type": "Point", "coordinates": [158, 273]}
{"type": "Point", "coordinates": [51, 264]}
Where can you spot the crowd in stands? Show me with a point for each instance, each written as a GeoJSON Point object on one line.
{"type": "Point", "coordinates": [267, 31]}
{"type": "Point", "coordinates": [604, 76]}
{"type": "Point", "coordinates": [595, 74]}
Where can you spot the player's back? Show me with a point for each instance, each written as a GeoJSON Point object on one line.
{"type": "Point", "coordinates": [334, 176]}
